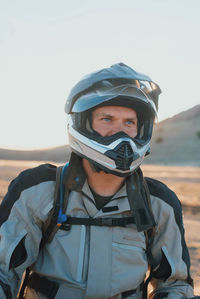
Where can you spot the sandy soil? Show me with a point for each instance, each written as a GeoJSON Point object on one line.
{"type": "Point", "coordinates": [185, 181]}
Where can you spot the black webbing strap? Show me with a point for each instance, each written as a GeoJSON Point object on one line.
{"type": "Point", "coordinates": [49, 228]}
{"type": "Point", "coordinates": [43, 285]}
{"type": "Point", "coordinates": [96, 222]}
{"type": "Point", "coordinates": [149, 234]}
{"type": "Point", "coordinates": [72, 181]}
{"type": "Point", "coordinates": [139, 204]}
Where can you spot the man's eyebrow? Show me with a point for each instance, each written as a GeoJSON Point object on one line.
{"type": "Point", "coordinates": [132, 118]}
{"type": "Point", "coordinates": [104, 114]}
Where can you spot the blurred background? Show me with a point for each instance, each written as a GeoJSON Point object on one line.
{"type": "Point", "coordinates": [46, 46]}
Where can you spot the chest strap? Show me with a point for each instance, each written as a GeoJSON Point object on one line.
{"type": "Point", "coordinates": [107, 221]}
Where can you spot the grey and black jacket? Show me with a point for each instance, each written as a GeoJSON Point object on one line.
{"type": "Point", "coordinates": [90, 261]}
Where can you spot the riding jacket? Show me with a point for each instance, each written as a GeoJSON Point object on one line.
{"type": "Point", "coordinates": [90, 262]}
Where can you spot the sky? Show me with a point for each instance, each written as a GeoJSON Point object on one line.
{"type": "Point", "coordinates": [46, 46]}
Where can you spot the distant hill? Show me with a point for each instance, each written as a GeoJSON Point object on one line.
{"type": "Point", "coordinates": [56, 154]}
{"type": "Point", "coordinates": [189, 114]}
{"type": "Point", "coordinates": [176, 141]}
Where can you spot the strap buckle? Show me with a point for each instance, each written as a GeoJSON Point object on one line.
{"type": "Point", "coordinates": [65, 226]}
{"type": "Point", "coordinates": [106, 221]}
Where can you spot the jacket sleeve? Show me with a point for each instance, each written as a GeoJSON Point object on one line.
{"type": "Point", "coordinates": [22, 213]}
{"type": "Point", "coordinates": [171, 273]}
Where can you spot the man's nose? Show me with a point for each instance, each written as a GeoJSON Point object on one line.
{"type": "Point", "coordinates": [117, 128]}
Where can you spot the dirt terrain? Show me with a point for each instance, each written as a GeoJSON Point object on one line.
{"type": "Point", "coordinates": [185, 181]}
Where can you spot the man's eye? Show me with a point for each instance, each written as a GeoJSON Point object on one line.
{"type": "Point", "coordinates": [130, 122]}
{"type": "Point", "coordinates": [106, 119]}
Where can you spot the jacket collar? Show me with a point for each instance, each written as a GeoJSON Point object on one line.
{"type": "Point", "coordinates": [120, 200]}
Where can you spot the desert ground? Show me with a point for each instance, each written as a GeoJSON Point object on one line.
{"type": "Point", "coordinates": [185, 181]}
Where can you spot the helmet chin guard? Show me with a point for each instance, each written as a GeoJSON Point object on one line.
{"type": "Point", "coordinates": [123, 155]}
{"type": "Point", "coordinates": [118, 85]}
{"type": "Point", "coordinates": [120, 157]}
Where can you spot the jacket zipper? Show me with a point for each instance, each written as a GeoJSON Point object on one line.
{"type": "Point", "coordinates": [81, 253]}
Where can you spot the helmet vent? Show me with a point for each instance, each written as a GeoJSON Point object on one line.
{"type": "Point", "coordinates": [124, 156]}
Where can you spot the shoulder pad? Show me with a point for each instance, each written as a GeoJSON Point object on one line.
{"type": "Point", "coordinates": [159, 189]}
{"type": "Point", "coordinates": [25, 180]}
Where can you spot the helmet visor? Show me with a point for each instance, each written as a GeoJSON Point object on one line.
{"type": "Point", "coordinates": [97, 96]}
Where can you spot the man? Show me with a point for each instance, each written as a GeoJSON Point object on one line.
{"type": "Point", "coordinates": [113, 224]}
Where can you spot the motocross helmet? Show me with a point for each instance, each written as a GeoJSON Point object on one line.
{"type": "Point", "coordinates": [118, 85]}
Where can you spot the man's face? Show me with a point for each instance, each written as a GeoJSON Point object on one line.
{"type": "Point", "coordinates": [109, 120]}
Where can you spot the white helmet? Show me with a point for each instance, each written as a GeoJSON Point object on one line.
{"type": "Point", "coordinates": [118, 85]}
